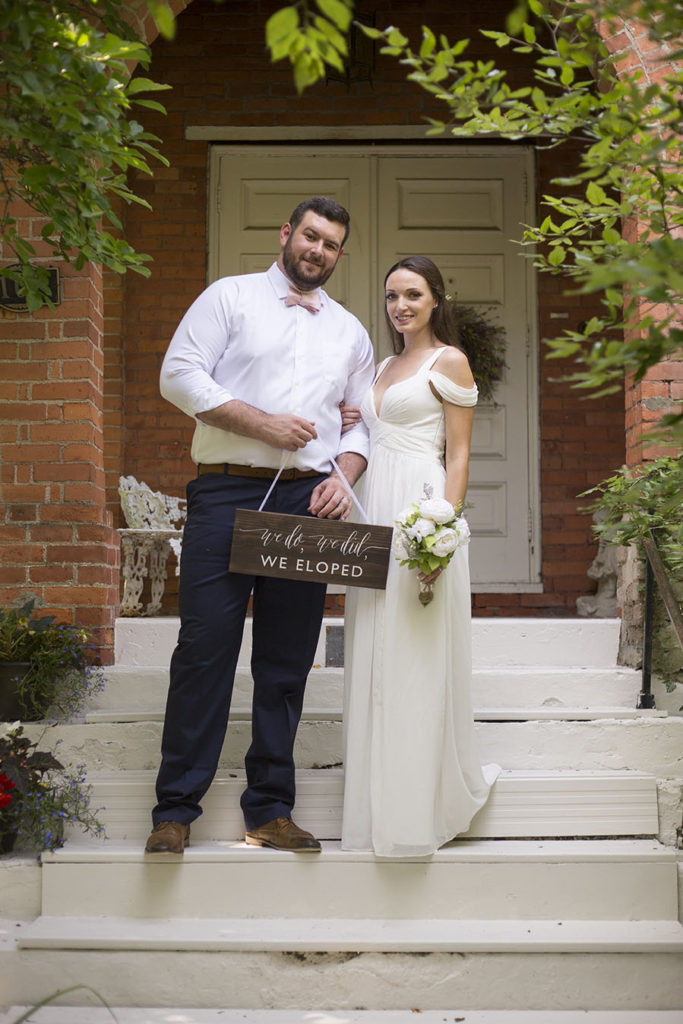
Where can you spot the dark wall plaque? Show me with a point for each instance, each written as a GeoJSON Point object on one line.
{"type": "Point", "coordinates": [9, 294]}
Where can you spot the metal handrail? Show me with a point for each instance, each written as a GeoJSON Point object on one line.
{"type": "Point", "coordinates": [655, 571]}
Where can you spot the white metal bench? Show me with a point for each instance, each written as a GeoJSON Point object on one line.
{"type": "Point", "coordinates": [154, 528]}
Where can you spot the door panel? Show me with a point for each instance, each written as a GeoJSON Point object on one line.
{"type": "Point", "coordinates": [461, 210]}
{"type": "Point", "coordinates": [255, 195]}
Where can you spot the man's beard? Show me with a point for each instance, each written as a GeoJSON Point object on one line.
{"type": "Point", "coordinates": [304, 284]}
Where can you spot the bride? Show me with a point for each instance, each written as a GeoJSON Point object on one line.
{"type": "Point", "coordinates": [413, 780]}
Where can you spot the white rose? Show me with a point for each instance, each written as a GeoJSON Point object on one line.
{"type": "Point", "coordinates": [462, 528]}
{"type": "Point", "coordinates": [405, 515]}
{"type": "Point", "coordinates": [420, 529]}
{"type": "Point", "coordinates": [437, 509]}
{"type": "Point", "coordinates": [445, 543]}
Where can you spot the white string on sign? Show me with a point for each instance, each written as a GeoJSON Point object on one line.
{"type": "Point", "coordinates": [347, 485]}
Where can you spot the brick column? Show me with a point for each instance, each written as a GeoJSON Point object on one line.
{"type": "Point", "coordinates": [57, 542]}
{"type": "Point", "coordinates": [648, 400]}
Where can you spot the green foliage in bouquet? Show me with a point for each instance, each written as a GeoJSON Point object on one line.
{"type": "Point", "coordinates": [61, 673]}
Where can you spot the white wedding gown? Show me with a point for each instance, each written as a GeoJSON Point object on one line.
{"type": "Point", "coordinates": [413, 779]}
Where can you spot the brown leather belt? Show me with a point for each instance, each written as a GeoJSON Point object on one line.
{"type": "Point", "coordinates": [262, 472]}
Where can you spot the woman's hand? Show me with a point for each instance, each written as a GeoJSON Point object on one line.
{"type": "Point", "coordinates": [350, 416]}
{"type": "Point", "coordinates": [430, 578]}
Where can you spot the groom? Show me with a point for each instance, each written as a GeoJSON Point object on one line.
{"type": "Point", "coordinates": [262, 362]}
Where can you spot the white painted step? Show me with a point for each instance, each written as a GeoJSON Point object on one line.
{"type": "Point", "coordinates": [340, 935]}
{"type": "Point", "coordinates": [529, 968]}
{"type": "Point", "coordinates": [522, 804]}
{"type": "Point", "coordinates": [136, 1015]}
{"type": "Point", "coordinates": [592, 880]}
{"type": "Point", "coordinates": [502, 714]}
{"type": "Point", "coordinates": [550, 686]}
{"type": "Point", "coordinates": [496, 642]}
{"type": "Point", "coordinates": [646, 744]}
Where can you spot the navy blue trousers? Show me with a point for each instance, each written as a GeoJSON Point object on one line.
{"type": "Point", "coordinates": [287, 616]}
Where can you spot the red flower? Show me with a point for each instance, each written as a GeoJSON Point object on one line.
{"type": "Point", "coordinates": [5, 783]}
{"type": "Point", "coordinates": [5, 799]}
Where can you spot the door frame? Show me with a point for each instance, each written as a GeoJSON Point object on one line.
{"type": "Point", "coordinates": [279, 146]}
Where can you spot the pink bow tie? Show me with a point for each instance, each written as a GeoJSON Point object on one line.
{"type": "Point", "coordinates": [309, 300]}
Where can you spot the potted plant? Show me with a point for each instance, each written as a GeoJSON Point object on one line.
{"type": "Point", "coordinates": [39, 796]}
{"type": "Point", "coordinates": [638, 503]}
{"type": "Point", "coordinates": [45, 666]}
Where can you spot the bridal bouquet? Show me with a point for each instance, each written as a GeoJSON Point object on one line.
{"type": "Point", "coordinates": [428, 534]}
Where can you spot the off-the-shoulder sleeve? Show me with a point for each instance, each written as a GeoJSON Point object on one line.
{"type": "Point", "coordinates": [451, 392]}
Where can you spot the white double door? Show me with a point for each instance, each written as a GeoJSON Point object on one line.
{"type": "Point", "coordinates": [461, 207]}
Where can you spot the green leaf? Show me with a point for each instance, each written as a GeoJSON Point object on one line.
{"type": "Point", "coordinates": [371, 33]}
{"type": "Point", "coordinates": [556, 256]}
{"type": "Point", "coordinates": [165, 21]}
{"type": "Point", "coordinates": [516, 19]}
{"type": "Point", "coordinates": [611, 236]}
{"type": "Point", "coordinates": [567, 74]}
{"type": "Point", "coordinates": [539, 99]}
{"type": "Point", "coordinates": [151, 105]}
{"type": "Point", "coordinates": [562, 348]}
{"type": "Point", "coordinates": [595, 195]}
{"type": "Point", "coordinates": [337, 12]}
{"type": "Point", "coordinates": [500, 38]}
{"type": "Point", "coordinates": [395, 37]}
{"type": "Point", "coordinates": [281, 24]}
{"type": "Point", "coordinates": [428, 42]}
{"type": "Point", "coordinates": [304, 72]}
{"type": "Point", "coordinates": [145, 85]}
{"type": "Point", "coordinates": [337, 40]}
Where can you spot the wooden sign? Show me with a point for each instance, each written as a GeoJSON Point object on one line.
{"type": "Point", "coordinates": [306, 548]}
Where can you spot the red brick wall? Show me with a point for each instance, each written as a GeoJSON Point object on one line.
{"type": "Point", "coordinates": [58, 544]}
{"type": "Point", "coordinates": [662, 387]}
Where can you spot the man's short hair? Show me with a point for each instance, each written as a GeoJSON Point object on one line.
{"type": "Point", "coordinates": [325, 207]}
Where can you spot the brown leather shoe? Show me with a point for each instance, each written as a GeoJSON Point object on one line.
{"type": "Point", "coordinates": [168, 837]}
{"type": "Point", "coordinates": [282, 834]}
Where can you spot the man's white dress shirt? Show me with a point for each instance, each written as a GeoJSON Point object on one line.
{"type": "Point", "coordinates": [239, 340]}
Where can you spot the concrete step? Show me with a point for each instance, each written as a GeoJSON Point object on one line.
{"type": "Point", "coordinates": [540, 686]}
{"type": "Point", "coordinates": [342, 935]}
{"type": "Point", "coordinates": [496, 642]}
{"type": "Point", "coordinates": [502, 714]}
{"type": "Point", "coordinates": [20, 878]}
{"type": "Point", "coordinates": [516, 742]}
{"type": "Point", "coordinates": [514, 881]}
{"type": "Point", "coordinates": [523, 968]}
{"type": "Point", "coordinates": [522, 804]}
{"type": "Point", "coordinates": [137, 1015]}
